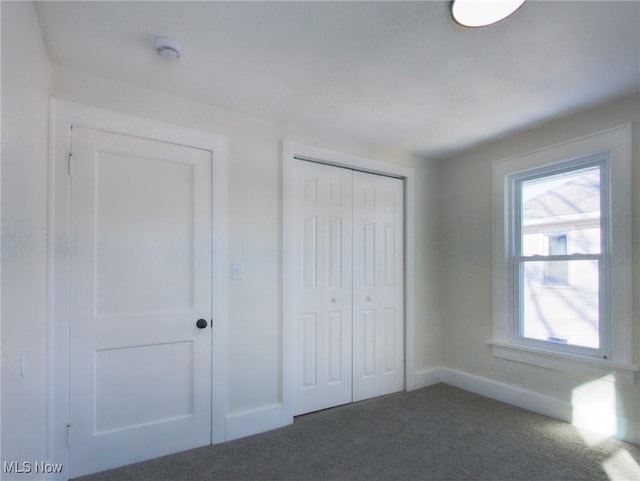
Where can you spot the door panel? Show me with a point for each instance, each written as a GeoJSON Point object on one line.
{"type": "Point", "coordinates": [148, 401]}
{"type": "Point", "coordinates": [349, 297]}
{"type": "Point", "coordinates": [335, 335]}
{"type": "Point", "coordinates": [130, 192]}
{"type": "Point", "coordinates": [141, 227]}
{"type": "Point", "coordinates": [378, 290]}
{"type": "Point", "coordinates": [322, 302]}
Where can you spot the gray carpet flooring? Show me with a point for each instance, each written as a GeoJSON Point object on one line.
{"type": "Point", "coordinates": [435, 433]}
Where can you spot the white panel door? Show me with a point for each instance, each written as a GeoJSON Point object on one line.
{"type": "Point", "coordinates": [349, 299]}
{"type": "Point", "coordinates": [322, 297]}
{"type": "Point", "coordinates": [140, 367]}
{"type": "Point", "coordinates": [378, 285]}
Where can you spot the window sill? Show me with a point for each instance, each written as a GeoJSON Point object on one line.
{"type": "Point", "coordinates": [618, 372]}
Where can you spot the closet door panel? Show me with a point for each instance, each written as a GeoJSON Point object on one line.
{"type": "Point", "coordinates": [322, 301]}
{"type": "Point", "coordinates": [378, 290]}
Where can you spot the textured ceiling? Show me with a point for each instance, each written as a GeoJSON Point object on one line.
{"type": "Point", "coordinates": [398, 74]}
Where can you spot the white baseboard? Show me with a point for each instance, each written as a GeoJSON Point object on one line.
{"type": "Point", "coordinates": [426, 377]}
{"type": "Point", "coordinates": [623, 428]}
{"type": "Point", "coordinates": [255, 421]}
{"type": "Point", "coordinates": [509, 394]}
{"type": "Point", "coordinates": [629, 430]}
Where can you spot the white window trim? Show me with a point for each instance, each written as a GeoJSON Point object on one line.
{"type": "Point", "coordinates": [621, 361]}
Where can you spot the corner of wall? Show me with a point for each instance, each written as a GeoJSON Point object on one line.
{"type": "Point", "coordinates": [26, 84]}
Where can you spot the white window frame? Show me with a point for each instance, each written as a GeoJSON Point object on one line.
{"type": "Point", "coordinates": [616, 356]}
{"type": "Point", "coordinates": [517, 258]}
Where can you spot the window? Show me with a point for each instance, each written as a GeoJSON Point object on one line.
{"type": "Point", "coordinates": [562, 277]}
{"type": "Point", "coordinates": [567, 197]}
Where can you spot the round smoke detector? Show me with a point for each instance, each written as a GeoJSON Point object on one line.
{"type": "Point", "coordinates": [168, 48]}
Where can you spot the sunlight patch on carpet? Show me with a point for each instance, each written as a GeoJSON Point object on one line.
{"type": "Point", "coordinates": [621, 467]}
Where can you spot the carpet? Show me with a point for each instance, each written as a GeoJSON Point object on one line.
{"type": "Point", "coordinates": [436, 433]}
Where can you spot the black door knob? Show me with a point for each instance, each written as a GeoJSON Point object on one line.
{"type": "Point", "coordinates": [201, 323]}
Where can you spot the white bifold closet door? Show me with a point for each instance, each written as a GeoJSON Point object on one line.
{"type": "Point", "coordinates": [378, 285]}
{"type": "Point", "coordinates": [349, 295]}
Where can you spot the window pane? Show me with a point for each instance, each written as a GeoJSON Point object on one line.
{"type": "Point", "coordinates": [565, 313]}
{"type": "Point", "coordinates": [561, 208]}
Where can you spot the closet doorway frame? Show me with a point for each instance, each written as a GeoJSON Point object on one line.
{"type": "Point", "coordinates": [295, 152]}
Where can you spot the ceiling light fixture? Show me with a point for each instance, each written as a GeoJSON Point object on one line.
{"type": "Point", "coordinates": [480, 13]}
{"type": "Point", "coordinates": [168, 48]}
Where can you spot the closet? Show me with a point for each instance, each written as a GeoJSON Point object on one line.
{"type": "Point", "coordinates": [348, 293]}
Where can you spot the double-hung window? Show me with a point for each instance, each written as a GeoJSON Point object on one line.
{"type": "Point", "coordinates": [562, 255]}
{"type": "Point", "coordinates": [559, 242]}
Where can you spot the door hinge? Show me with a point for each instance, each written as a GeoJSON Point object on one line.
{"type": "Point", "coordinates": [68, 435]}
{"type": "Point", "coordinates": [70, 163]}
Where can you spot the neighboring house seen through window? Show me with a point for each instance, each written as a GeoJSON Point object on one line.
{"type": "Point", "coordinates": [567, 197]}
{"type": "Point", "coordinates": [556, 273]}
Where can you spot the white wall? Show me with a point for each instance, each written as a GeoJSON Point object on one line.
{"type": "Point", "coordinates": [453, 236]}
{"type": "Point", "coordinates": [254, 236]}
{"type": "Point", "coordinates": [26, 77]}
{"type": "Point", "coordinates": [466, 250]}
{"type": "Point", "coordinates": [255, 219]}
{"type": "Point", "coordinates": [429, 268]}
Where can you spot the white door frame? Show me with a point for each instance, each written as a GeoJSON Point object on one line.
{"type": "Point", "coordinates": [62, 116]}
{"type": "Point", "coordinates": [295, 150]}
